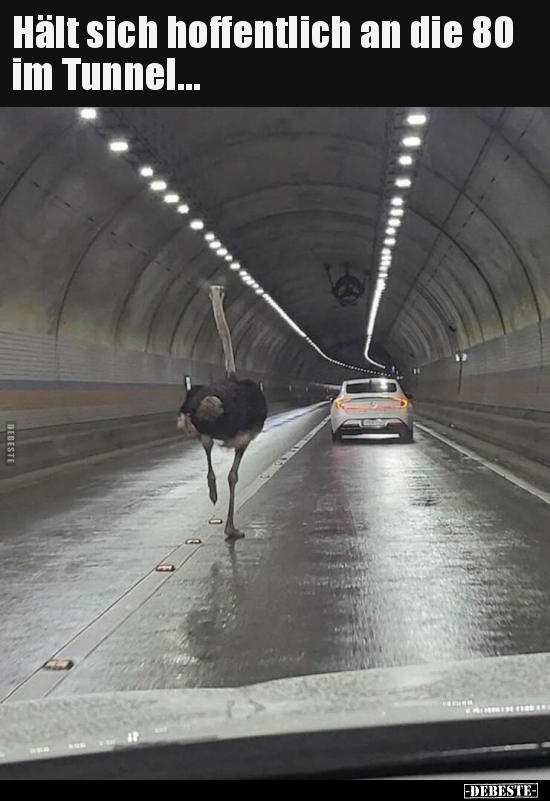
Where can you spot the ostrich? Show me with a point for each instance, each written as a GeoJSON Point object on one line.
{"type": "Point", "coordinates": [231, 411]}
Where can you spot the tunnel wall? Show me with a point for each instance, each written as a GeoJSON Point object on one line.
{"type": "Point", "coordinates": [48, 382]}
{"type": "Point", "coordinates": [71, 399]}
{"type": "Point", "coordinates": [511, 371]}
{"type": "Point", "coordinates": [502, 397]}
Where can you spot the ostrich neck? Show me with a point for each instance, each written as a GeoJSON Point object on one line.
{"type": "Point", "coordinates": [217, 295]}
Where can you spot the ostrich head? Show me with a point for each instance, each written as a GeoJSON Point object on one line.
{"type": "Point", "coordinates": [185, 424]}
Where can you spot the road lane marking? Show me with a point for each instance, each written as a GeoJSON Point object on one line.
{"type": "Point", "coordinates": [42, 683]}
{"type": "Point", "coordinates": [495, 468]}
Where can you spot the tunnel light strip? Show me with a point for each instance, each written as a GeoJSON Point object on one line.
{"type": "Point", "coordinates": [160, 185]}
{"type": "Point", "coordinates": [119, 146]}
{"type": "Point", "coordinates": [398, 185]}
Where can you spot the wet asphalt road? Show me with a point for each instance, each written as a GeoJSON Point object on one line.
{"type": "Point", "coordinates": [356, 556]}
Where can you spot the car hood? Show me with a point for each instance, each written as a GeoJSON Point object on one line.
{"type": "Point", "coordinates": [394, 696]}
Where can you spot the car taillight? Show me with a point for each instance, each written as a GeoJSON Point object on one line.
{"type": "Point", "coordinates": [395, 403]}
{"type": "Point", "coordinates": [381, 404]}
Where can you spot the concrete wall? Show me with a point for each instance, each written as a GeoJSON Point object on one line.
{"type": "Point", "coordinates": [511, 371]}
{"type": "Point", "coordinates": [70, 399]}
{"type": "Point", "coordinates": [500, 395]}
{"type": "Point", "coordinates": [47, 382]}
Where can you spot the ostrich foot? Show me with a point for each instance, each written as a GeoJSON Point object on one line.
{"type": "Point", "coordinates": [232, 535]}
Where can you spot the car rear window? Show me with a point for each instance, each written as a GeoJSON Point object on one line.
{"type": "Point", "coordinates": [374, 386]}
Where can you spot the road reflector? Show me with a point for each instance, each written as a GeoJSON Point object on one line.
{"type": "Point", "coordinates": [59, 664]}
{"type": "Point", "coordinates": [216, 521]}
{"type": "Point", "coordinates": [166, 569]}
{"type": "Point", "coordinates": [193, 542]}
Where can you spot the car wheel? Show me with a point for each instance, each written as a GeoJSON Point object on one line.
{"type": "Point", "coordinates": [408, 437]}
{"type": "Point", "coordinates": [336, 438]}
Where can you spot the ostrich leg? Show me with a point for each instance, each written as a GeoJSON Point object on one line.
{"type": "Point", "coordinates": [230, 530]}
{"type": "Point", "coordinates": [208, 444]}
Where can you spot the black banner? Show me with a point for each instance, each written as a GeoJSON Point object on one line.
{"type": "Point", "coordinates": [322, 59]}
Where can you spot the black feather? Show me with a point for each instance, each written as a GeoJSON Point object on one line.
{"type": "Point", "coordinates": [244, 408]}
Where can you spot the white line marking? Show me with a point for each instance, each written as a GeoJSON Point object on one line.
{"type": "Point", "coordinates": [41, 683]}
{"type": "Point", "coordinates": [500, 471]}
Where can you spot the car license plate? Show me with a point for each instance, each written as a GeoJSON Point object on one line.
{"type": "Point", "coordinates": [374, 423]}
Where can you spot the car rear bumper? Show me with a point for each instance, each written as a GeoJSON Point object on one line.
{"type": "Point", "coordinates": [364, 427]}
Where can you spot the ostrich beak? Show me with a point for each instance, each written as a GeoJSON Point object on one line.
{"type": "Point", "coordinates": [186, 426]}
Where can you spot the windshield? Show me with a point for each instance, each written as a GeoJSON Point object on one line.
{"type": "Point", "coordinates": [192, 499]}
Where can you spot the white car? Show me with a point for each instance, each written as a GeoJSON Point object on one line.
{"type": "Point", "coordinates": [373, 407]}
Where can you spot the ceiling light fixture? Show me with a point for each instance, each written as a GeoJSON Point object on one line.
{"type": "Point", "coordinates": [417, 119]}
{"type": "Point", "coordinates": [158, 185]}
{"type": "Point", "coordinates": [119, 146]}
{"type": "Point", "coordinates": [409, 140]}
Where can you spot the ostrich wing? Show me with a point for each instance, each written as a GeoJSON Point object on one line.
{"type": "Point", "coordinates": [210, 409]}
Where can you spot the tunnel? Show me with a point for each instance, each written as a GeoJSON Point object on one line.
{"type": "Point", "coordinates": [114, 225]}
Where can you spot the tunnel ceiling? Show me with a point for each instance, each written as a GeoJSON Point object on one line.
{"type": "Point", "coordinates": [88, 252]}
{"type": "Point", "coordinates": [291, 189]}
